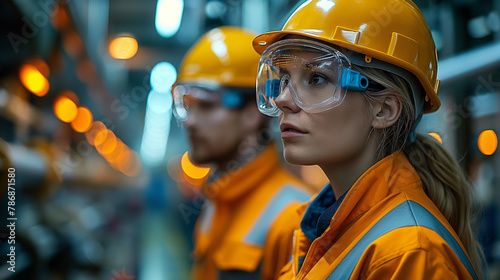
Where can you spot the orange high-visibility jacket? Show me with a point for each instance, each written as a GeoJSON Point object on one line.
{"type": "Point", "coordinates": [386, 227]}
{"type": "Point", "coordinates": [246, 226]}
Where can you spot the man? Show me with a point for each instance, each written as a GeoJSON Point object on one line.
{"type": "Point", "coordinates": [246, 225]}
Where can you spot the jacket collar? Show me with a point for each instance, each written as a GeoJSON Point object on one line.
{"type": "Point", "coordinates": [391, 174]}
{"type": "Point", "coordinates": [233, 184]}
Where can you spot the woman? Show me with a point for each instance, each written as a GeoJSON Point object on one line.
{"type": "Point", "coordinates": [349, 81]}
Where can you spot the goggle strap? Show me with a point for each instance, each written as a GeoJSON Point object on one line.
{"type": "Point", "coordinates": [353, 80]}
{"type": "Point", "coordinates": [233, 99]}
{"type": "Point", "coordinates": [418, 92]}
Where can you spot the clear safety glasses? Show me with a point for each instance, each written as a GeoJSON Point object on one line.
{"type": "Point", "coordinates": [202, 100]}
{"type": "Point", "coordinates": [316, 76]}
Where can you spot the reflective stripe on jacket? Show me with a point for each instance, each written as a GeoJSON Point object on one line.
{"type": "Point", "coordinates": [246, 226]}
{"type": "Point", "coordinates": [385, 228]}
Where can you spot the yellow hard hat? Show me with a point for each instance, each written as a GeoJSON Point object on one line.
{"type": "Point", "coordinates": [222, 57]}
{"type": "Point", "coordinates": [392, 31]}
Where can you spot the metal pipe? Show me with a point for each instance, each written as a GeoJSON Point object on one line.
{"type": "Point", "coordinates": [35, 168]}
{"type": "Point", "coordinates": [469, 63]}
{"type": "Point", "coordinates": [30, 165]}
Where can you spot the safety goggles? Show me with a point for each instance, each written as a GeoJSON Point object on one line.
{"type": "Point", "coordinates": [316, 76]}
{"type": "Point", "coordinates": [202, 100]}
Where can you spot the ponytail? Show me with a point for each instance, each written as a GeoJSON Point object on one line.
{"type": "Point", "coordinates": [448, 187]}
{"type": "Point", "coordinates": [443, 179]}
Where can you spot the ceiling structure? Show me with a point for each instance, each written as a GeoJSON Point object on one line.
{"type": "Point", "coordinates": [116, 90]}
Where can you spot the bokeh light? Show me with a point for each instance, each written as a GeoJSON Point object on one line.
{"type": "Point", "coordinates": [97, 134]}
{"type": "Point", "coordinates": [65, 109]}
{"type": "Point", "coordinates": [191, 170]}
{"type": "Point", "coordinates": [73, 44]}
{"type": "Point", "coordinates": [108, 145]}
{"type": "Point", "coordinates": [123, 47]}
{"type": "Point", "coordinates": [120, 158]}
{"type": "Point", "coordinates": [487, 142]}
{"type": "Point", "coordinates": [33, 80]}
{"type": "Point", "coordinates": [41, 66]}
{"type": "Point", "coordinates": [156, 128]}
{"type": "Point", "coordinates": [83, 120]}
{"type": "Point", "coordinates": [163, 76]}
{"type": "Point", "coordinates": [174, 168]}
{"type": "Point", "coordinates": [117, 154]}
{"type": "Point", "coordinates": [132, 166]}
{"type": "Point", "coordinates": [436, 136]}
{"type": "Point", "coordinates": [168, 17]}
{"type": "Point", "coordinates": [59, 18]}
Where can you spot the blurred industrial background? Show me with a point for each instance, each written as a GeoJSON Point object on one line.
{"type": "Point", "coordinates": [103, 187]}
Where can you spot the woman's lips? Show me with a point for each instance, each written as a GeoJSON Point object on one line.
{"type": "Point", "coordinates": [290, 131]}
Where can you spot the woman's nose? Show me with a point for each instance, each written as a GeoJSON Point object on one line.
{"type": "Point", "coordinates": [285, 100]}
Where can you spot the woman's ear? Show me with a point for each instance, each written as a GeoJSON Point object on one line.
{"type": "Point", "coordinates": [387, 112]}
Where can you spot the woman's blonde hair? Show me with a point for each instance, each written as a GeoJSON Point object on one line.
{"type": "Point", "coordinates": [443, 179]}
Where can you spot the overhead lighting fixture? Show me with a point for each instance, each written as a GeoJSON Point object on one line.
{"type": "Point", "coordinates": [168, 17]}
{"type": "Point", "coordinates": [469, 63]}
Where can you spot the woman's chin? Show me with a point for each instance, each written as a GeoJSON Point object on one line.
{"type": "Point", "coordinates": [298, 159]}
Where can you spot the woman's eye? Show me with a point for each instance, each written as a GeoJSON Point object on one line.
{"type": "Point", "coordinates": [317, 79]}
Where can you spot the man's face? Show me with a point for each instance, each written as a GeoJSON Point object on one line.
{"type": "Point", "coordinates": [215, 132]}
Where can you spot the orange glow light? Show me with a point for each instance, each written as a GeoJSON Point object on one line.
{"type": "Point", "coordinates": [33, 80]}
{"type": "Point", "coordinates": [41, 66]}
{"type": "Point", "coordinates": [118, 152]}
{"type": "Point", "coordinates": [100, 137]}
{"type": "Point", "coordinates": [122, 158]}
{"type": "Point", "coordinates": [436, 136]}
{"type": "Point", "coordinates": [59, 18]}
{"type": "Point", "coordinates": [73, 44]}
{"type": "Point", "coordinates": [71, 95]}
{"type": "Point", "coordinates": [487, 142]}
{"type": "Point", "coordinates": [83, 121]}
{"type": "Point", "coordinates": [174, 168]}
{"type": "Point", "coordinates": [97, 134]}
{"type": "Point", "coordinates": [65, 109]}
{"type": "Point", "coordinates": [132, 166]}
{"type": "Point", "coordinates": [123, 47]}
{"type": "Point", "coordinates": [192, 170]}
{"type": "Point", "coordinates": [108, 145]}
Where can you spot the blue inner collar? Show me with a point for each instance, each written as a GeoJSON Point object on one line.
{"type": "Point", "coordinates": [320, 212]}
